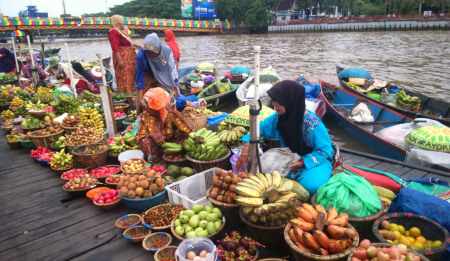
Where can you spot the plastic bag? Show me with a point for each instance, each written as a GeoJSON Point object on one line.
{"type": "Point", "coordinates": [278, 159]}
{"type": "Point", "coordinates": [236, 153]}
{"type": "Point", "coordinates": [427, 158]}
{"type": "Point", "coordinates": [361, 113]}
{"type": "Point", "coordinates": [351, 194]}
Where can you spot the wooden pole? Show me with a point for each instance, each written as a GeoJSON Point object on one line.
{"type": "Point", "coordinates": [72, 84]}
{"type": "Point", "coordinates": [34, 72]}
{"type": "Point", "coordinates": [107, 102]}
{"type": "Point", "coordinates": [15, 58]}
{"type": "Point", "coordinates": [254, 119]}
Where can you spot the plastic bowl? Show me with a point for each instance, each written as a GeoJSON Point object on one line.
{"type": "Point", "coordinates": [142, 204]}
{"type": "Point", "coordinates": [43, 162]}
{"type": "Point", "coordinates": [27, 144]}
{"type": "Point", "coordinates": [91, 193]}
{"type": "Point", "coordinates": [130, 154]}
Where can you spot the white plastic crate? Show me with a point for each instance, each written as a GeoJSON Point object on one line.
{"type": "Point", "coordinates": [191, 191]}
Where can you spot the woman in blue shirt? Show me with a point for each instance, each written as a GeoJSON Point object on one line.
{"type": "Point", "coordinates": [155, 67]}
{"type": "Point", "coordinates": [301, 131]}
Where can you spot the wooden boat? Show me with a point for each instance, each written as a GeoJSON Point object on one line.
{"type": "Point", "coordinates": [243, 89]}
{"type": "Point", "coordinates": [340, 102]}
{"type": "Point", "coordinates": [216, 100]}
{"type": "Point", "coordinates": [429, 106]}
{"type": "Point", "coordinates": [51, 52]}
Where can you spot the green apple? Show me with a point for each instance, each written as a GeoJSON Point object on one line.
{"type": "Point", "coordinates": [184, 219]}
{"type": "Point", "coordinates": [203, 224]}
{"type": "Point", "coordinates": [218, 224]}
{"type": "Point", "coordinates": [198, 230]}
{"type": "Point", "coordinates": [189, 213]}
{"type": "Point", "coordinates": [193, 221]}
{"type": "Point", "coordinates": [212, 217]}
{"type": "Point", "coordinates": [185, 225]}
{"type": "Point", "coordinates": [190, 234]}
{"type": "Point", "coordinates": [188, 229]}
{"type": "Point", "coordinates": [177, 223]}
{"type": "Point", "coordinates": [203, 233]}
{"type": "Point", "coordinates": [197, 208]}
{"type": "Point", "coordinates": [179, 230]}
{"type": "Point", "coordinates": [62, 138]}
{"type": "Point", "coordinates": [208, 208]}
{"type": "Point", "coordinates": [218, 212]}
{"type": "Point", "coordinates": [211, 227]}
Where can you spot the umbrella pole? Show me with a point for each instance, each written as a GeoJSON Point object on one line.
{"type": "Point", "coordinates": [15, 59]}
{"type": "Point", "coordinates": [107, 102]}
{"type": "Point", "coordinates": [255, 108]}
{"type": "Point", "coordinates": [72, 84]}
{"type": "Point", "coordinates": [33, 70]}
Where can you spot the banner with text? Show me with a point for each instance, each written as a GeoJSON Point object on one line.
{"type": "Point", "coordinates": [204, 9]}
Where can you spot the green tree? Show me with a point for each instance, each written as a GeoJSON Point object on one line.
{"type": "Point", "coordinates": [259, 15]}
{"type": "Point", "coordinates": [233, 10]}
{"type": "Point", "coordinates": [170, 9]}
{"type": "Point", "coordinates": [100, 14]}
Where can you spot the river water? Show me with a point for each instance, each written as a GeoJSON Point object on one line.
{"type": "Point", "coordinates": [419, 61]}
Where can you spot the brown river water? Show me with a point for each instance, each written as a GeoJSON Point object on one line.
{"type": "Point", "coordinates": [419, 61]}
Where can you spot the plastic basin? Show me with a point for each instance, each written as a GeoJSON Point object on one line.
{"type": "Point", "coordinates": [130, 154]}
{"type": "Point", "coordinates": [139, 205]}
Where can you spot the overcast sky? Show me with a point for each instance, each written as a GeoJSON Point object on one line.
{"type": "Point", "coordinates": [55, 7]}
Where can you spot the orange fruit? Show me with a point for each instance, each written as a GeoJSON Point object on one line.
{"type": "Point", "coordinates": [414, 232]}
{"type": "Point", "coordinates": [421, 239]}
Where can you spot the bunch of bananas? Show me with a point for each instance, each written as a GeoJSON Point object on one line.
{"type": "Point", "coordinates": [267, 199]}
{"type": "Point", "coordinates": [354, 86]}
{"type": "Point", "coordinates": [208, 112]}
{"type": "Point", "coordinates": [172, 148]}
{"type": "Point", "coordinates": [122, 143]}
{"type": "Point", "coordinates": [131, 117]}
{"type": "Point", "coordinates": [36, 106]}
{"type": "Point", "coordinates": [62, 160]}
{"type": "Point", "coordinates": [29, 88]}
{"type": "Point", "coordinates": [44, 90]}
{"type": "Point", "coordinates": [204, 145]}
{"type": "Point", "coordinates": [233, 137]}
{"type": "Point", "coordinates": [224, 126]}
{"type": "Point", "coordinates": [8, 114]}
{"type": "Point", "coordinates": [46, 98]}
{"type": "Point", "coordinates": [90, 117]}
{"type": "Point", "coordinates": [407, 102]}
{"type": "Point", "coordinates": [22, 110]}
{"type": "Point", "coordinates": [66, 104]}
{"type": "Point", "coordinates": [13, 137]}
{"type": "Point", "coordinates": [90, 97]}
{"type": "Point", "coordinates": [17, 102]}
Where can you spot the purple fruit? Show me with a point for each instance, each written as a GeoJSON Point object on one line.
{"type": "Point", "coordinates": [244, 242]}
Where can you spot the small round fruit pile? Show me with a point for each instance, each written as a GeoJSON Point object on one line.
{"type": "Point", "coordinates": [107, 197]}
{"type": "Point", "coordinates": [113, 179]}
{"type": "Point", "coordinates": [73, 173]}
{"type": "Point", "coordinates": [46, 156]}
{"type": "Point", "coordinates": [366, 251]}
{"type": "Point", "coordinates": [191, 255]}
{"type": "Point", "coordinates": [224, 183]}
{"type": "Point", "coordinates": [39, 151]}
{"type": "Point", "coordinates": [52, 127]}
{"type": "Point", "coordinates": [200, 221]}
{"type": "Point", "coordinates": [412, 237]}
{"type": "Point", "coordinates": [62, 160]}
{"type": "Point", "coordinates": [236, 247]}
{"type": "Point", "coordinates": [162, 215]}
{"type": "Point", "coordinates": [71, 121]}
{"type": "Point", "coordinates": [83, 135]}
{"type": "Point", "coordinates": [140, 186]}
{"type": "Point", "coordinates": [60, 142]}
{"type": "Point", "coordinates": [104, 171]}
{"type": "Point", "coordinates": [80, 183]}
{"type": "Point", "coordinates": [335, 237]}
{"type": "Point", "coordinates": [118, 115]}
{"type": "Point", "coordinates": [92, 149]}
{"type": "Point", "coordinates": [133, 166]}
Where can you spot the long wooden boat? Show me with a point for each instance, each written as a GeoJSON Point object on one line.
{"type": "Point", "coordinates": [216, 100]}
{"type": "Point", "coordinates": [241, 92]}
{"type": "Point", "coordinates": [428, 106]}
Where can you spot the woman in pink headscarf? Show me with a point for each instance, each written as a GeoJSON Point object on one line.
{"type": "Point", "coordinates": [28, 71]}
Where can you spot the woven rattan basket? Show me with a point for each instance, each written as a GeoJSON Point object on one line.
{"type": "Point", "coordinates": [422, 258]}
{"type": "Point", "coordinates": [46, 140]}
{"type": "Point", "coordinates": [200, 165]}
{"type": "Point", "coordinates": [229, 211]}
{"type": "Point", "coordinates": [196, 120]}
{"type": "Point", "coordinates": [212, 236]}
{"type": "Point", "coordinates": [90, 160]}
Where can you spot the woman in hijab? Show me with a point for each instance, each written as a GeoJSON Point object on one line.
{"type": "Point", "coordinates": [82, 79]}
{"type": "Point", "coordinates": [155, 67]}
{"type": "Point", "coordinates": [160, 122]}
{"type": "Point", "coordinates": [124, 56]}
{"type": "Point", "coordinates": [301, 131]}
{"type": "Point", "coordinates": [169, 37]}
{"type": "Point", "coordinates": [28, 73]}
{"type": "Point", "coordinates": [7, 61]}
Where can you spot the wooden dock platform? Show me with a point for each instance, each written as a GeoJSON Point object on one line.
{"type": "Point", "coordinates": [43, 222]}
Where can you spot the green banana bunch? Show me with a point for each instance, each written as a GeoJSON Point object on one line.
{"type": "Point", "coordinates": [204, 145]}
{"type": "Point", "coordinates": [172, 148]}
{"type": "Point", "coordinates": [232, 137]}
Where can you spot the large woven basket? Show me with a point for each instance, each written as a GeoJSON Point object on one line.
{"type": "Point", "coordinates": [69, 129]}
{"type": "Point", "coordinates": [71, 146]}
{"type": "Point", "coordinates": [15, 145]}
{"type": "Point", "coordinates": [299, 255]}
{"type": "Point", "coordinates": [196, 120]}
{"type": "Point", "coordinates": [90, 161]}
{"type": "Point", "coordinates": [46, 140]}
{"type": "Point", "coordinates": [165, 253]}
{"type": "Point", "coordinates": [362, 224]}
{"type": "Point", "coordinates": [422, 257]}
{"type": "Point", "coordinates": [431, 230]}
{"type": "Point", "coordinates": [180, 163]}
{"type": "Point", "coordinates": [200, 165]}
{"type": "Point", "coordinates": [121, 107]}
{"type": "Point", "coordinates": [271, 237]}
{"type": "Point", "coordinates": [229, 211]}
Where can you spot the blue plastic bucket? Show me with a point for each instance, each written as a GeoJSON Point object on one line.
{"type": "Point", "coordinates": [394, 88]}
{"type": "Point", "coordinates": [139, 205]}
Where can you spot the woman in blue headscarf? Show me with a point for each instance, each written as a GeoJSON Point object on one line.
{"type": "Point", "coordinates": [7, 61]}
{"type": "Point", "coordinates": [155, 66]}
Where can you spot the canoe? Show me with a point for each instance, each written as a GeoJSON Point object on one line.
{"type": "Point", "coordinates": [216, 100]}
{"type": "Point", "coordinates": [429, 106]}
{"type": "Point", "coordinates": [338, 101]}
{"type": "Point", "coordinates": [269, 79]}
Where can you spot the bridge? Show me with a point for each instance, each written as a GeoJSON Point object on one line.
{"type": "Point", "coordinates": [20, 25]}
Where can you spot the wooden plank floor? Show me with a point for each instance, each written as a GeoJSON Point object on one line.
{"type": "Point", "coordinates": [43, 222]}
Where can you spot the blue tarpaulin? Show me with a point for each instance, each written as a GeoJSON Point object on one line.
{"type": "Point", "coordinates": [240, 70]}
{"type": "Point", "coordinates": [354, 72]}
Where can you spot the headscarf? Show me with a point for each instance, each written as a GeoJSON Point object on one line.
{"type": "Point", "coordinates": [117, 22]}
{"type": "Point", "coordinates": [172, 44]}
{"type": "Point", "coordinates": [292, 96]}
{"type": "Point", "coordinates": [7, 62]}
{"type": "Point", "coordinates": [80, 70]}
{"type": "Point", "coordinates": [160, 65]}
{"type": "Point", "coordinates": [157, 99]}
